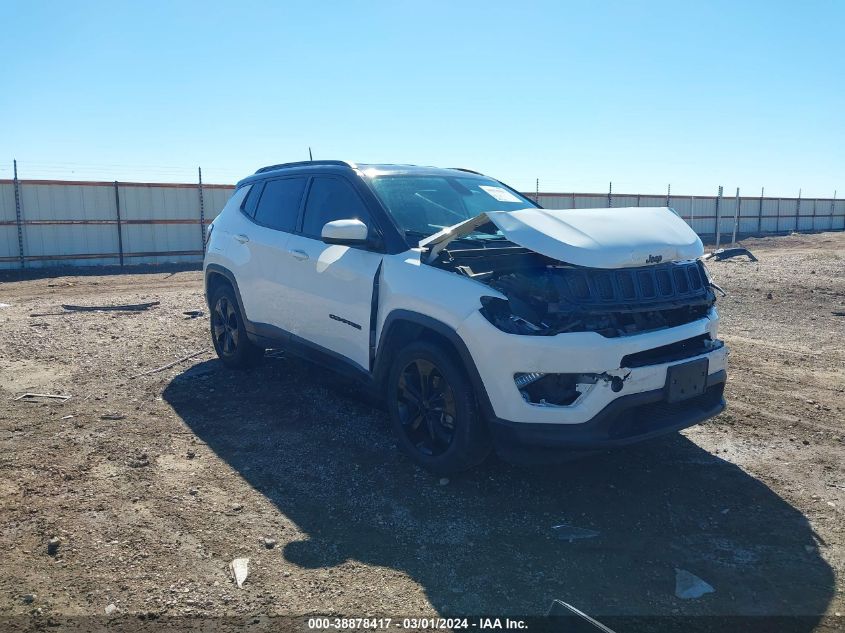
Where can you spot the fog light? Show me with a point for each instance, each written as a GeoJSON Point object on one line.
{"type": "Point", "coordinates": [523, 380]}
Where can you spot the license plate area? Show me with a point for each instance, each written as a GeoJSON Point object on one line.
{"type": "Point", "coordinates": [686, 380]}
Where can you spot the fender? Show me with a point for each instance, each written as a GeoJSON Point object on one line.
{"type": "Point", "coordinates": [384, 356]}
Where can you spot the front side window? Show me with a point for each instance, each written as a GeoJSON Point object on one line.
{"type": "Point", "coordinates": [423, 205]}
{"type": "Point", "coordinates": [278, 206]}
{"type": "Point", "coordinates": [331, 199]}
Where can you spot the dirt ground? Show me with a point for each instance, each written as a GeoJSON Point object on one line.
{"type": "Point", "coordinates": [152, 485]}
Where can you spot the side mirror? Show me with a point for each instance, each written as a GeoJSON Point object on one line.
{"type": "Point", "coordinates": [345, 232]}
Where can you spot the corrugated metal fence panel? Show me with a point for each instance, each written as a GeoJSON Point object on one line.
{"type": "Point", "coordinates": [838, 221]}
{"type": "Point", "coordinates": [62, 220]}
{"type": "Point", "coordinates": [625, 200]}
{"type": "Point", "coordinates": [215, 199]}
{"type": "Point", "coordinates": [8, 230]}
{"type": "Point", "coordinates": [787, 214]}
{"type": "Point", "coordinates": [161, 223]}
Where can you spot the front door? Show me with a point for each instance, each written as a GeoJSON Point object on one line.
{"type": "Point", "coordinates": [331, 284]}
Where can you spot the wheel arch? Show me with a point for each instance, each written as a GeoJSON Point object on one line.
{"type": "Point", "coordinates": [216, 276]}
{"type": "Point", "coordinates": [403, 326]}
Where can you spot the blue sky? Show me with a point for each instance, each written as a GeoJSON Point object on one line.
{"type": "Point", "coordinates": [695, 94]}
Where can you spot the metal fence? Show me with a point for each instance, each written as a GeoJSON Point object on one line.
{"type": "Point", "coordinates": [55, 223]}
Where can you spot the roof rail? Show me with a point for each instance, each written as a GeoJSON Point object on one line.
{"type": "Point", "coordinates": [471, 171]}
{"type": "Point", "coordinates": [303, 163]}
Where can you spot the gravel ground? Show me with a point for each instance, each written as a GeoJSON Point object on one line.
{"type": "Point", "coordinates": [152, 485]}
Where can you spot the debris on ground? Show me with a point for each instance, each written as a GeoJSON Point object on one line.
{"type": "Point", "coordinates": [240, 570]}
{"type": "Point", "coordinates": [727, 253]}
{"type": "Point", "coordinates": [37, 397]}
{"type": "Point", "coordinates": [28, 598]}
{"type": "Point", "coordinates": [193, 314]}
{"type": "Point", "coordinates": [570, 533]}
{"type": "Point", "coordinates": [139, 460]}
{"type": "Point", "coordinates": [126, 307]}
{"type": "Point", "coordinates": [169, 365]}
{"type": "Point", "coordinates": [269, 542]}
{"type": "Point", "coordinates": [689, 586]}
{"type": "Point", "coordinates": [111, 609]}
{"type": "Point", "coordinates": [53, 546]}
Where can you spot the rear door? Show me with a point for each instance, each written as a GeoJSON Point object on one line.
{"type": "Point", "coordinates": [264, 289]}
{"type": "Point", "coordinates": [332, 285]}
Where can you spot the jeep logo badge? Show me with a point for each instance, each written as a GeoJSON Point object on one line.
{"type": "Point", "coordinates": [654, 259]}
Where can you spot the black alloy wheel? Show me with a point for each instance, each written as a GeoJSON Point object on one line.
{"type": "Point", "coordinates": [426, 406]}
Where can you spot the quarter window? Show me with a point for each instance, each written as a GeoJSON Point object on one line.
{"type": "Point", "coordinates": [331, 199]}
{"type": "Point", "coordinates": [278, 207]}
{"type": "Point", "coordinates": [251, 201]}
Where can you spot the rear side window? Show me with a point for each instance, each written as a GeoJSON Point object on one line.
{"type": "Point", "coordinates": [331, 199]}
{"type": "Point", "coordinates": [251, 202]}
{"type": "Point", "coordinates": [278, 206]}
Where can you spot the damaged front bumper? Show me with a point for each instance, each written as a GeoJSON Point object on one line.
{"type": "Point", "coordinates": [623, 404]}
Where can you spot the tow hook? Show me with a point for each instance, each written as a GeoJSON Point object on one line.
{"type": "Point", "coordinates": [616, 382]}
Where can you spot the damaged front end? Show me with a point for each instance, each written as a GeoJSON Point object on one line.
{"type": "Point", "coordinates": [545, 297]}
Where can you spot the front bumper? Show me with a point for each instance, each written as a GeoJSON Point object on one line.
{"type": "Point", "coordinates": [600, 417]}
{"type": "Point", "coordinates": [626, 420]}
{"type": "Point", "coordinates": [497, 356]}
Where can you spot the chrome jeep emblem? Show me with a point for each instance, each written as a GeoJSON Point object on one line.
{"type": "Point", "coordinates": [654, 259]}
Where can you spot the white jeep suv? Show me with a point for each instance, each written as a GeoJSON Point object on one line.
{"type": "Point", "coordinates": [484, 321]}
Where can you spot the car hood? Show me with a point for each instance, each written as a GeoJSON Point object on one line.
{"type": "Point", "coordinates": [597, 238]}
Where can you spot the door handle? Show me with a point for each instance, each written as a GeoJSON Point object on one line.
{"type": "Point", "coordinates": [298, 254]}
{"type": "Point", "coordinates": [243, 239]}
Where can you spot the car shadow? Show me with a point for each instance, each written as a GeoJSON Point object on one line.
{"type": "Point", "coordinates": [487, 542]}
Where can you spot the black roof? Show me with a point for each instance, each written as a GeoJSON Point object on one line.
{"type": "Point", "coordinates": [366, 169]}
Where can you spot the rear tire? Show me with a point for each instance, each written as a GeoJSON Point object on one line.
{"type": "Point", "coordinates": [433, 410]}
{"type": "Point", "coordinates": [228, 333]}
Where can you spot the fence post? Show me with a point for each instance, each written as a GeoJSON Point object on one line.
{"type": "Point", "coordinates": [537, 192]}
{"type": "Point", "coordinates": [18, 215]}
{"type": "Point", "coordinates": [736, 216]}
{"type": "Point", "coordinates": [760, 214]}
{"type": "Point", "coordinates": [610, 195]}
{"type": "Point", "coordinates": [691, 211]}
{"type": "Point", "coordinates": [797, 211]}
{"type": "Point", "coordinates": [119, 226]}
{"type": "Point", "coordinates": [202, 210]}
{"type": "Point", "coordinates": [638, 199]}
{"type": "Point", "coordinates": [668, 193]}
{"type": "Point", "coordinates": [718, 218]}
{"type": "Point", "coordinates": [832, 209]}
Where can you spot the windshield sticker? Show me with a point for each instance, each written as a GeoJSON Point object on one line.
{"type": "Point", "coordinates": [500, 194]}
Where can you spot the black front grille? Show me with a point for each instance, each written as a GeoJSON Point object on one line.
{"type": "Point", "coordinates": [649, 284]}
{"type": "Point", "coordinates": [668, 353]}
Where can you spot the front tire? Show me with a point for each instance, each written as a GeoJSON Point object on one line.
{"type": "Point", "coordinates": [228, 333]}
{"type": "Point", "coordinates": [433, 410]}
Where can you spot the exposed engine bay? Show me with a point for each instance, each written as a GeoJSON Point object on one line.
{"type": "Point", "coordinates": [547, 297]}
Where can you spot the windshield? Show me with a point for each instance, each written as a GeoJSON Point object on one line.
{"type": "Point", "coordinates": [423, 205]}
